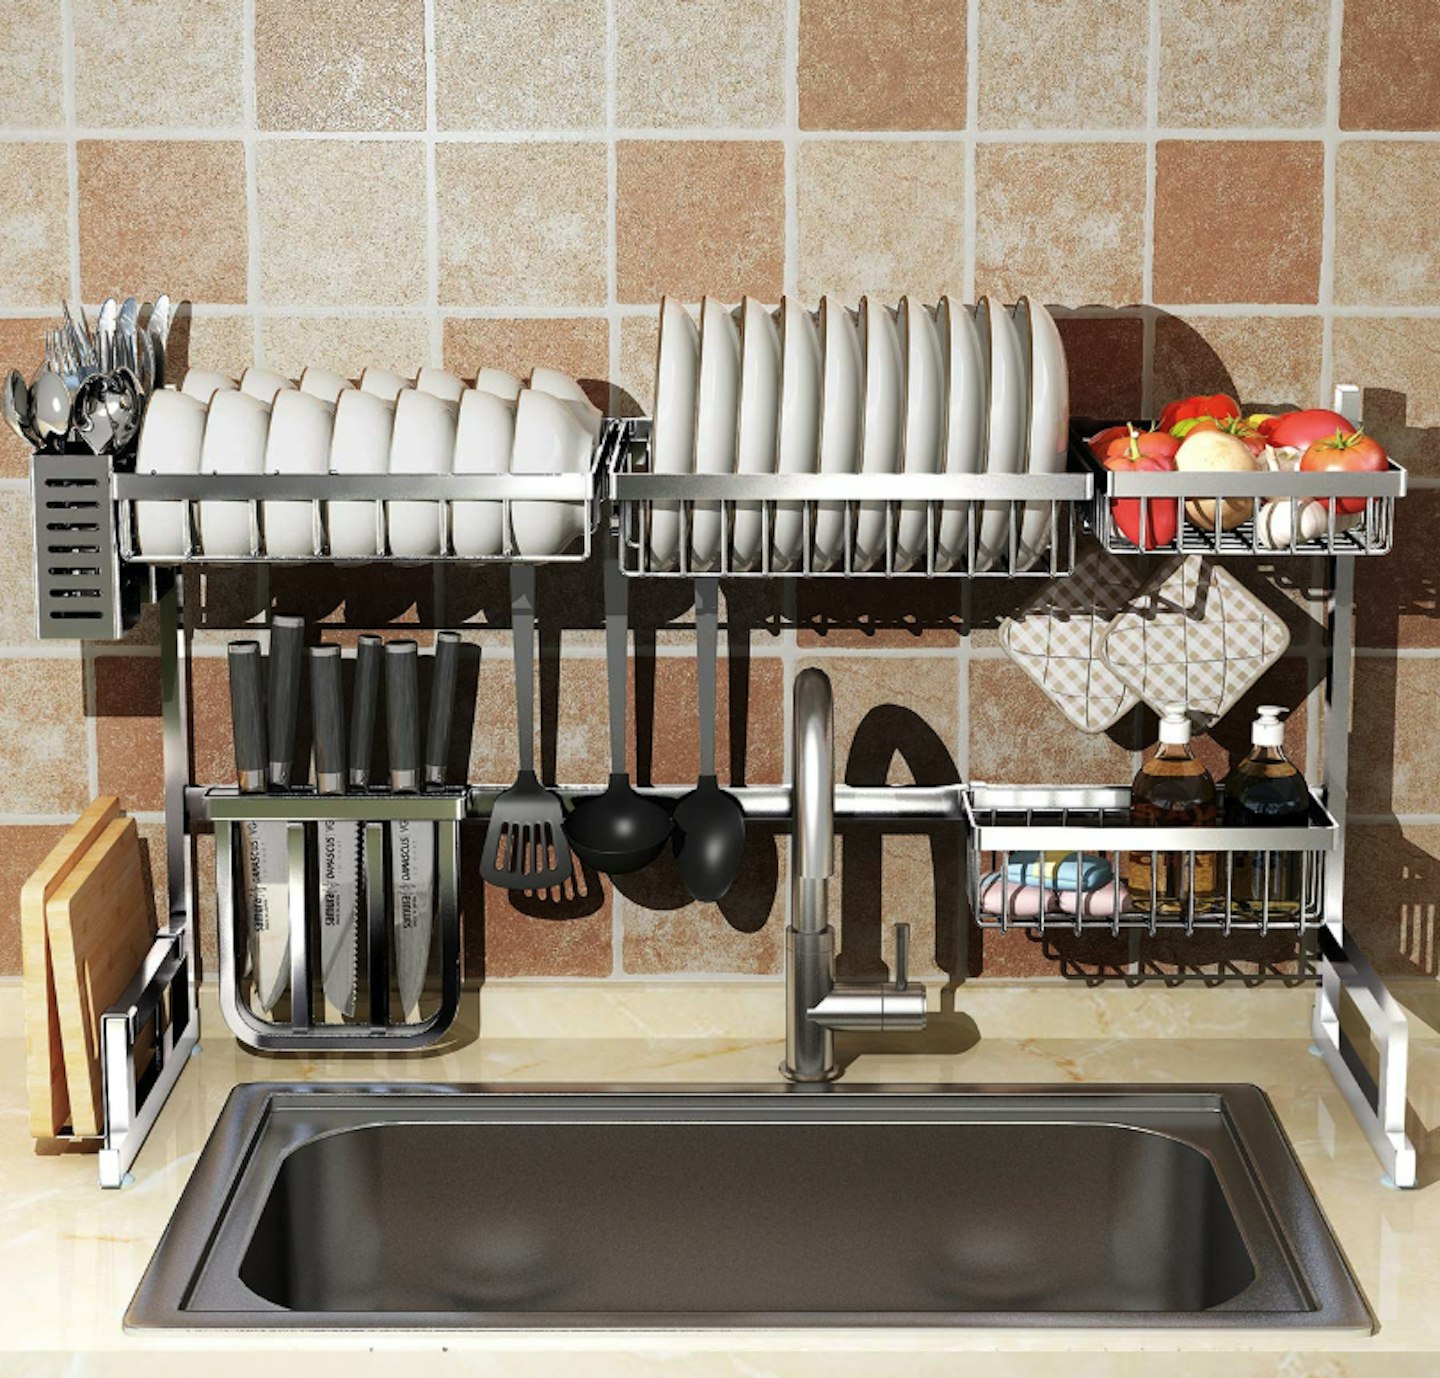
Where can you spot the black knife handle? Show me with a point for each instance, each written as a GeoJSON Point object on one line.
{"type": "Point", "coordinates": [287, 650]}
{"type": "Point", "coordinates": [327, 717]}
{"type": "Point", "coordinates": [247, 714]}
{"type": "Point", "coordinates": [442, 706]}
{"type": "Point", "coordinates": [369, 652]}
{"type": "Point", "coordinates": [402, 713]}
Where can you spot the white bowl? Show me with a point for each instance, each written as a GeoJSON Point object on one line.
{"type": "Point", "coordinates": [203, 383]}
{"type": "Point", "coordinates": [549, 439]}
{"type": "Point", "coordinates": [756, 436]}
{"type": "Point", "coordinates": [299, 443]}
{"type": "Point", "coordinates": [439, 382]}
{"type": "Point", "coordinates": [360, 444]}
{"type": "Point", "coordinates": [236, 430]}
{"type": "Point", "coordinates": [498, 382]}
{"type": "Point", "coordinates": [964, 421]}
{"type": "Point", "coordinates": [715, 417]}
{"type": "Point", "coordinates": [423, 443]}
{"type": "Point", "coordinates": [1005, 424]}
{"type": "Point", "coordinates": [171, 437]}
{"type": "Point", "coordinates": [264, 383]}
{"type": "Point", "coordinates": [324, 384]}
{"type": "Point", "coordinates": [384, 383]}
{"type": "Point", "coordinates": [799, 451]}
{"type": "Point", "coordinates": [1048, 418]}
{"type": "Point", "coordinates": [563, 386]}
{"type": "Point", "coordinates": [842, 389]}
{"type": "Point", "coordinates": [923, 364]}
{"type": "Point", "coordinates": [881, 431]}
{"type": "Point", "coordinates": [672, 439]}
{"type": "Point", "coordinates": [484, 438]}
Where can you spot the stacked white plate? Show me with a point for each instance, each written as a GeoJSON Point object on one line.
{"type": "Point", "coordinates": [912, 388]}
{"type": "Point", "coordinates": [387, 424]}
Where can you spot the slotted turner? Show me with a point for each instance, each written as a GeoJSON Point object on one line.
{"type": "Point", "coordinates": [525, 847]}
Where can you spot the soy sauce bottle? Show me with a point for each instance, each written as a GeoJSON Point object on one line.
{"type": "Point", "coordinates": [1172, 790]}
{"type": "Point", "coordinates": [1266, 790]}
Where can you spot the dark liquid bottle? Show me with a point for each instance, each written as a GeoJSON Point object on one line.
{"type": "Point", "coordinates": [1172, 790]}
{"type": "Point", "coordinates": [1266, 790]}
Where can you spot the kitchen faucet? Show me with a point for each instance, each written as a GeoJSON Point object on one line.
{"type": "Point", "coordinates": [815, 1003]}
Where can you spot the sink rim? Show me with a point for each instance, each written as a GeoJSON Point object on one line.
{"type": "Point", "coordinates": [224, 1180]}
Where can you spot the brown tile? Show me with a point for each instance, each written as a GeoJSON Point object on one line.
{"type": "Point", "coordinates": [17, 578]}
{"type": "Point", "coordinates": [579, 346]}
{"type": "Point", "coordinates": [22, 346]}
{"type": "Point", "coordinates": [1064, 222]}
{"type": "Point", "coordinates": [872, 614]}
{"type": "Point", "coordinates": [1398, 595]}
{"type": "Point", "coordinates": [1394, 725]}
{"type": "Point", "coordinates": [634, 393]}
{"type": "Point", "coordinates": [43, 748]}
{"type": "Point", "coordinates": [213, 746]}
{"type": "Point", "coordinates": [707, 64]}
{"type": "Point", "coordinates": [1387, 260]}
{"type": "Point", "coordinates": [356, 65]}
{"type": "Point", "coordinates": [1392, 896]}
{"type": "Point", "coordinates": [115, 88]}
{"type": "Point", "coordinates": [128, 748]}
{"type": "Point", "coordinates": [880, 218]}
{"type": "Point", "coordinates": [526, 935]}
{"type": "Point", "coordinates": [1049, 66]}
{"type": "Point", "coordinates": [34, 223]}
{"type": "Point", "coordinates": [306, 188]}
{"type": "Point", "coordinates": [899, 66]}
{"type": "Point", "coordinates": [160, 241]}
{"type": "Point", "coordinates": [31, 43]}
{"type": "Point", "coordinates": [522, 224]}
{"type": "Point", "coordinates": [1018, 737]}
{"type": "Point", "coordinates": [348, 345]}
{"type": "Point", "coordinates": [1105, 357]}
{"type": "Point", "coordinates": [1219, 246]}
{"type": "Point", "coordinates": [1204, 44]}
{"type": "Point", "coordinates": [729, 197]}
{"type": "Point", "coordinates": [1266, 362]}
{"type": "Point", "coordinates": [1390, 65]}
{"type": "Point", "coordinates": [1392, 360]}
{"type": "Point", "coordinates": [22, 848]}
{"type": "Point", "coordinates": [223, 343]}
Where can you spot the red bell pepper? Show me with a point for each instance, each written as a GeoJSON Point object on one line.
{"type": "Point", "coordinates": [1218, 405]}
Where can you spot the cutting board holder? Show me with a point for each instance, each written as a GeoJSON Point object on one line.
{"type": "Point", "coordinates": [301, 812]}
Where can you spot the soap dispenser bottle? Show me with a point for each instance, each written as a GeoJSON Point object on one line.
{"type": "Point", "coordinates": [1266, 790]}
{"type": "Point", "coordinates": [1172, 790]}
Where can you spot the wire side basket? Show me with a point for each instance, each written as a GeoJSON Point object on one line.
{"type": "Point", "coordinates": [295, 1022]}
{"type": "Point", "coordinates": [1068, 859]}
{"type": "Point", "coordinates": [926, 525]}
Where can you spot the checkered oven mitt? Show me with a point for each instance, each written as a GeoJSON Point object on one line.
{"type": "Point", "coordinates": [1197, 637]}
{"type": "Point", "coordinates": [1057, 642]}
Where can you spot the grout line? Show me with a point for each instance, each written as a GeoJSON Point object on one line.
{"type": "Point", "coordinates": [432, 198]}
{"type": "Point", "coordinates": [792, 147]}
{"type": "Point", "coordinates": [92, 722]}
{"type": "Point", "coordinates": [252, 182]}
{"type": "Point", "coordinates": [72, 153]}
{"type": "Point", "coordinates": [1327, 224]}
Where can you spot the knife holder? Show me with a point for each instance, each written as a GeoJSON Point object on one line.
{"type": "Point", "coordinates": [293, 1024]}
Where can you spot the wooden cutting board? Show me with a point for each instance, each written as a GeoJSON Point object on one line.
{"type": "Point", "coordinates": [101, 923]}
{"type": "Point", "coordinates": [44, 1054]}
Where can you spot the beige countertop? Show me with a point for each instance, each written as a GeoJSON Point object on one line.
{"type": "Point", "coordinates": [71, 1254]}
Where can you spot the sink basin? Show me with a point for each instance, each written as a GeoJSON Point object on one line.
{"type": "Point", "coordinates": [425, 1207]}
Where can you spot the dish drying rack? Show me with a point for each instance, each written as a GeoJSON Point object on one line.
{"type": "Point", "coordinates": [89, 581]}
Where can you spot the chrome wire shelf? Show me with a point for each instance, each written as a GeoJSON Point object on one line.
{"type": "Point", "coordinates": [1213, 879]}
{"type": "Point", "coordinates": [975, 525]}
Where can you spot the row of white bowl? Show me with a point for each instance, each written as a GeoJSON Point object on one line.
{"type": "Point", "coordinates": [881, 390]}
{"type": "Point", "coordinates": [434, 424]}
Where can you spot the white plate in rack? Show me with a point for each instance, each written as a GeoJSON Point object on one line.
{"type": "Point", "coordinates": [880, 435]}
{"type": "Point", "coordinates": [965, 401]}
{"type": "Point", "coordinates": [1005, 425]}
{"type": "Point", "coordinates": [1048, 420]}
{"type": "Point", "coordinates": [799, 422]}
{"type": "Point", "coordinates": [842, 392]}
{"type": "Point", "coordinates": [715, 418]}
{"type": "Point", "coordinates": [677, 367]}
{"type": "Point", "coordinates": [924, 376]}
{"type": "Point", "coordinates": [756, 437]}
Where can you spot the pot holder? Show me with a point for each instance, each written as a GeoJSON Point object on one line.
{"type": "Point", "coordinates": [1197, 637]}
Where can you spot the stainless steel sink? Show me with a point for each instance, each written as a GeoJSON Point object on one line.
{"type": "Point", "coordinates": [423, 1206]}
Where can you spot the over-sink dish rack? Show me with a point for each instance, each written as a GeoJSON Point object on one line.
{"type": "Point", "coordinates": [92, 573]}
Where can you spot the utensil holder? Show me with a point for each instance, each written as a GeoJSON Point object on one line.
{"type": "Point", "coordinates": [375, 1027]}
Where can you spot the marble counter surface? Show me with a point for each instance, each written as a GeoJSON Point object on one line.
{"type": "Point", "coordinates": [70, 1254]}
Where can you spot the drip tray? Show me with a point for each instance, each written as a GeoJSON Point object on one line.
{"type": "Point", "coordinates": [450, 1207]}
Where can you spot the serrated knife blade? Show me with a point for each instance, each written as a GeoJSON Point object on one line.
{"type": "Point", "coordinates": [338, 840]}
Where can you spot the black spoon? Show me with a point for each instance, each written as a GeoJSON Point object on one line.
{"type": "Point", "coordinates": [618, 831]}
{"type": "Point", "coordinates": [709, 836]}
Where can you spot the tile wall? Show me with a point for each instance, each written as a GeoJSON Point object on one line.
{"type": "Point", "coordinates": [1218, 193]}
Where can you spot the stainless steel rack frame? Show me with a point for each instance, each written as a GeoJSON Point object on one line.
{"type": "Point", "coordinates": [301, 811]}
{"type": "Point", "coordinates": [1014, 498]}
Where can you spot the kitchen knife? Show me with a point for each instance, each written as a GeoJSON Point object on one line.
{"type": "Point", "coordinates": [339, 840]}
{"type": "Point", "coordinates": [368, 654]}
{"type": "Point", "coordinates": [265, 881]}
{"type": "Point", "coordinates": [282, 701]}
{"type": "Point", "coordinates": [412, 844]}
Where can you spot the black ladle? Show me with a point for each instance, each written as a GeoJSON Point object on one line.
{"type": "Point", "coordinates": [618, 831]}
{"type": "Point", "coordinates": [709, 837]}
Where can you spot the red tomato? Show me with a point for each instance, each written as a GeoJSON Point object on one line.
{"type": "Point", "coordinates": [1101, 439]}
{"type": "Point", "coordinates": [1352, 453]}
{"type": "Point", "coordinates": [1137, 452]}
{"type": "Point", "coordinates": [1218, 405]}
{"type": "Point", "coordinates": [1302, 428]}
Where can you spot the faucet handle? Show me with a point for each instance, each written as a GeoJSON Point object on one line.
{"type": "Point", "coordinates": [902, 956]}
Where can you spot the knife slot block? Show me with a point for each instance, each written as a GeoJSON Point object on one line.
{"type": "Point", "coordinates": [276, 858]}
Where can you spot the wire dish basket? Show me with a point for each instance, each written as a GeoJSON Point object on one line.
{"type": "Point", "coordinates": [843, 525]}
{"type": "Point", "coordinates": [1067, 858]}
{"type": "Point", "coordinates": [296, 1022]}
